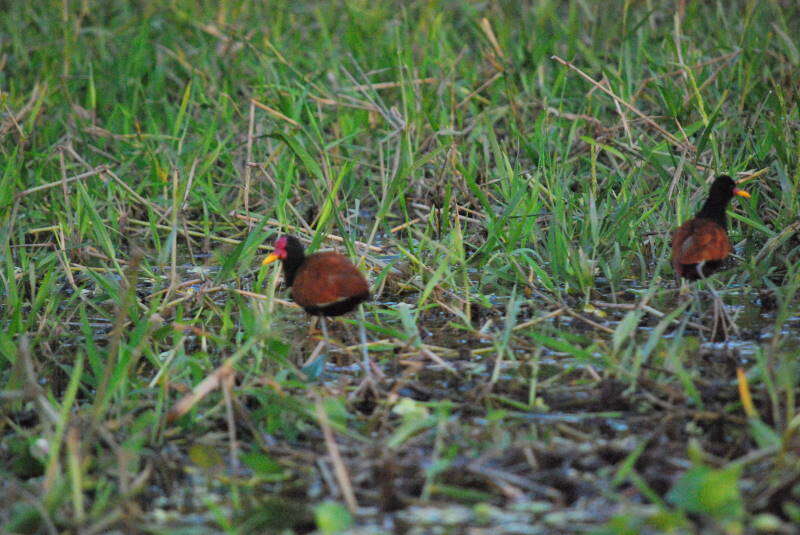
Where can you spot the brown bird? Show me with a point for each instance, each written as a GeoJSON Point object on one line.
{"type": "Point", "coordinates": [324, 284]}
{"type": "Point", "coordinates": [701, 244]}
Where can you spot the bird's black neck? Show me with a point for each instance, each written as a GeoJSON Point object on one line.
{"type": "Point", "coordinates": [714, 209]}
{"type": "Point", "coordinates": [295, 255]}
{"type": "Point", "coordinates": [290, 266]}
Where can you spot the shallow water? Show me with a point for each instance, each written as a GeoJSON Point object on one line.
{"type": "Point", "coordinates": [532, 436]}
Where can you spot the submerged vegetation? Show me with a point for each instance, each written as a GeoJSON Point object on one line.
{"type": "Point", "coordinates": [506, 175]}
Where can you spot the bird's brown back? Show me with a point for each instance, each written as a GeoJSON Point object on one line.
{"type": "Point", "coordinates": [326, 278]}
{"type": "Point", "coordinates": [699, 240]}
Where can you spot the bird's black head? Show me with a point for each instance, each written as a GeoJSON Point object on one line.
{"type": "Point", "coordinates": [722, 188]}
{"type": "Point", "coordinates": [291, 253]}
{"type": "Point", "coordinates": [722, 191]}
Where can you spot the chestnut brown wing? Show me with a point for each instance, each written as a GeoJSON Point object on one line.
{"type": "Point", "coordinates": [700, 240]}
{"type": "Point", "coordinates": [326, 278]}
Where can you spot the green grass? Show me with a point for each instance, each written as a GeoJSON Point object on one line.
{"type": "Point", "coordinates": [513, 218]}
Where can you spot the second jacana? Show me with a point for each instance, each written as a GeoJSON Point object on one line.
{"type": "Point", "coordinates": [701, 244]}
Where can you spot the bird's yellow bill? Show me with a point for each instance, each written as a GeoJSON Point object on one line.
{"type": "Point", "coordinates": [270, 259]}
{"type": "Point", "coordinates": [741, 193]}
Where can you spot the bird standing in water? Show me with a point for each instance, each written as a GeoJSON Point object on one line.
{"type": "Point", "coordinates": [701, 244]}
{"type": "Point", "coordinates": [324, 284]}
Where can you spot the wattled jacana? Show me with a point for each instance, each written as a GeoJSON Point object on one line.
{"type": "Point", "coordinates": [324, 284]}
{"type": "Point", "coordinates": [701, 244]}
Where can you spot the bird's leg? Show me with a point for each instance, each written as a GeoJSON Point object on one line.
{"type": "Point", "coordinates": [699, 268]}
{"type": "Point", "coordinates": [721, 316]}
{"type": "Point", "coordinates": [313, 331]}
{"type": "Point", "coordinates": [683, 290]}
{"type": "Point", "coordinates": [362, 335]}
{"type": "Point", "coordinates": [727, 321]}
{"type": "Point", "coordinates": [315, 364]}
{"type": "Point", "coordinates": [714, 319]}
{"type": "Point", "coordinates": [369, 365]}
{"type": "Point", "coordinates": [324, 326]}
{"type": "Point", "coordinates": [368, 383]}
{"type": "Point", "coordinates": [716, 305]}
